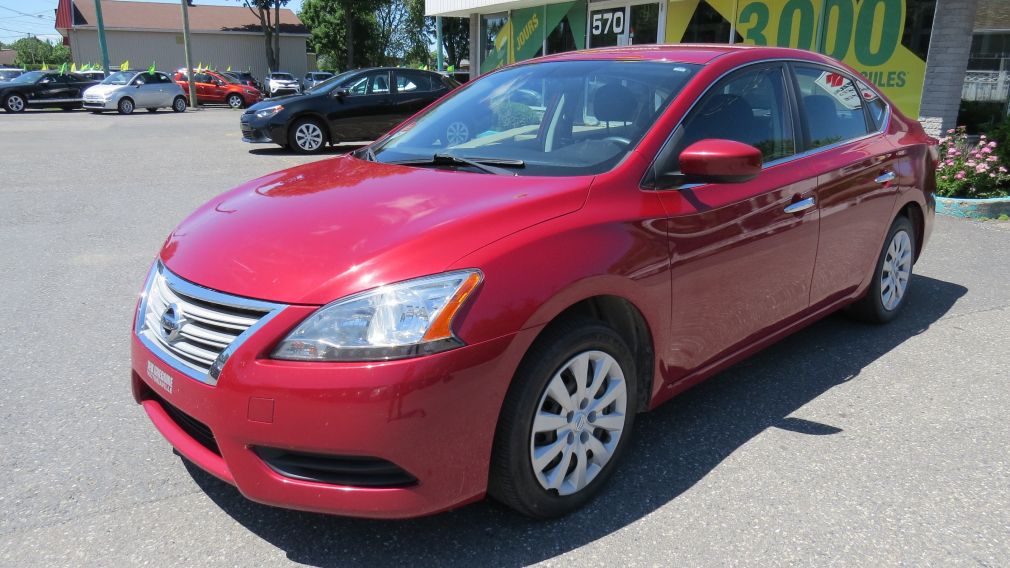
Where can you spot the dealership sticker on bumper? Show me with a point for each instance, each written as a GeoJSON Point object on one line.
{"type": "Point", "coordinates": [163, 379]}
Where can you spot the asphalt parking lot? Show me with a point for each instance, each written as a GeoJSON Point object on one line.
{"type": "Point", "coordinates": [844, 445]}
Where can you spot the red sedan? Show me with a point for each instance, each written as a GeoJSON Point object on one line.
{"type": "Point", "coordinates": [442, 316]}
{"type": "Point", "coordinates": [213, 87]}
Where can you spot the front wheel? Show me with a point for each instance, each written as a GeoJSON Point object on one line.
{"type": "Point", "coordinates": [125, 106]}
{"type": "Point", "coordinates": [306, 136]}
{"type": "Point", "coordinates": [14, 103]}
{"type": "Point", "coordinates": [235, 101]}
{"type": "Point", "coordinates": [891, 276]}
{"type": "Point", "coordinates": [179, 104]}
{"type": "Point", "coordinates": [566, 420]}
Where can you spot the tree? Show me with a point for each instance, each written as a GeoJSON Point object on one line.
{"type": "Point", "coordinates": [344, 30]}
{"type": "Point", "coordinates": [269, 14]}
{"type": "Point", "coordinates": [455, 35]}
{"type": "Point", "coordinates": [31, 51]}
{"type": "Point", "coordinates": [456, 40]}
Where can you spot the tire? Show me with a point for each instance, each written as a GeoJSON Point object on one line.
{"type": "Point", "coordinates": [235, 101]}
{"type": "Point", "coordinates": [125, 106]}
{"type": "Point", "coordinates": [888, 291]}
{"type": "Point", "coordinates": [306, 136]}
{"type": "Point", "coordinates": [15, 102]}
{"type": "Point", "coordinates": [179, 104]}
{"type": "Point", "coordinates": [575, 432]}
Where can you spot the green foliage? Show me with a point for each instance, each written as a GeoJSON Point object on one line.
{"type": "Point", "coordinates": [979, 116]}
{"type": "Point", "coordinates": [1000, 133]}
{"type": "Point", "coordinates": [514, 115]}
{"type": "Point", "coordinates": [32, 51]}
{"type": "Point", "coordinates": [1003, 217]}
{"type": "Point", "coordinates": [972, 171]}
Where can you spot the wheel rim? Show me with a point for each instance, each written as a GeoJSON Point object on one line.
{"type": "Point", "coordinates": [15, 103]}
{"type": "Point", "coordinates": [235, 101]}
{"type": "Point", "coordinates": [180, 105]}
{"type": "Point", "coordinates": [308, 136]}
{"type": "Point", "coordinates": [896, 271]}
{"type": "Point", "coordinates": [457, 133]}
{"type": "Point", "coordinates": [127, 106]}
{"type": "Point", "coordinates": [579, 422]}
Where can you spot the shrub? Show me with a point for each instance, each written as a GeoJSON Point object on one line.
{"type": "Point", "coordinates": [973, 171]}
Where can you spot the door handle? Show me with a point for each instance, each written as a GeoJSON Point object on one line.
{"type": "Point", "coordinates": [885, 177]}
{"type": "Point", "coordinates": [801, 205]}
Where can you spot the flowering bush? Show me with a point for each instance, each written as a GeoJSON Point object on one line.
{"type": "Point", "coordinates": [970, 171]}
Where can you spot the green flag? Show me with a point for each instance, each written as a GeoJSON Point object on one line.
{"type": "Point", "coordinates": [45, 67]}
{"type": "Point", "coordinates": [150, 70]}
{"type": "Point", "coordinates": [63, 69]}
{"type": "Point", "coordinates": [451, 69]}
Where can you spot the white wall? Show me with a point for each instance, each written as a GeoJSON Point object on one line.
{"type": "Point", "coordinates": [219, 50]}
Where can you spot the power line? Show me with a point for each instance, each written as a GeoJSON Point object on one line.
{"type": "Point", "coordinates": [38, 15]}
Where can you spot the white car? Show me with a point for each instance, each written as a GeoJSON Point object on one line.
{"type": "Point", "coordinates": [125, 91]}
{"type": "Point", "coordinates": [282, 83]}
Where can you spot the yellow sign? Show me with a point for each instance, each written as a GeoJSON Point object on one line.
{"type": "Point", "coordinates": [865, 34]}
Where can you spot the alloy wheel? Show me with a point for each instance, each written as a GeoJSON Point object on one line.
{"type": "Point", "coordinates": [235, 101]}
{"type": "Point", "coordinates": [309, 137]}
{"type": "Point", "coordinates": [179, 105]}
{"type": "Point", "coordinates": [579, 422]}
{"type": "Point", "coordinates": [125, 106]}
{"type": "Point", "coordinates": [457, 133]}
{"type": "Point", "coordinates": [15, 103]}
{"type": "Point", "coordinates": [896, 270]}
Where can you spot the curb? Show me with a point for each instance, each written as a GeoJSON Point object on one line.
{"type": "Point", "coordinates": [972, 208]}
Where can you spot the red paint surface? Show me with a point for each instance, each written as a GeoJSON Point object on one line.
{"type": "Point", "coordinates": [716, 271]}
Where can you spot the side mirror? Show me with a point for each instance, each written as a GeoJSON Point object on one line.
{"type": "Point", "coordinates": [340, 93]}
{"type": "Point", "coordinates": [716, 160]}
{"type": "Point", "coordinates": [139, 84]}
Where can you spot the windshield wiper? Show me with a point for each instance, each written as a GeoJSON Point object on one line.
{"type": "Point", "coordinates": [487, 165]}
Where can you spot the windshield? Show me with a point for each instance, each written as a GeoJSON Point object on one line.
{"type": "Point", "coordinates": [282, 77]}
{"type": "Point", "coordinates": [329, 84]}
{"type": "Point", "coordinates": [558, 118]}
{"type": "Point", "coordinates": [6, 74]}
{"type": "Point", "coordinates": [29, 77]}
{"type": "Point", "coordinates": [119, 78]}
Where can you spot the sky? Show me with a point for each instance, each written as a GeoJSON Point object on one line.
{"type": "Point", "coordinates": [37, 17]}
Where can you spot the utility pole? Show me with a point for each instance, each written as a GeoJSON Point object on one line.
{"type": "Point", "coordinates": [189, 58]}
{"type": "Point", "coordinates": [101, 36]}
{"type": "Point", "coordinates": [438, 42]}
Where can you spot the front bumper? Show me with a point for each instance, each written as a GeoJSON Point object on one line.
{"type": "Point", "coordinates": [434, 417]}
{"type": "Point", "coordinates": [100, 105]}
{"type": "Point", "coordinates": [258, 131]}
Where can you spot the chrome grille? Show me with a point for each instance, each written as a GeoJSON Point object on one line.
{"type": "Point", "coordinates": [195, 329]}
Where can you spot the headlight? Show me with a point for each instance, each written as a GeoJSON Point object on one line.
{"type": "Point", "coordinates": [269, 111]}
{"type": "Point", "coordinates": [402, 320]}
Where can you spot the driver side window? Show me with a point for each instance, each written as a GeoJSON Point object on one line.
{"type": "Point", "coordinates": [749, 107]}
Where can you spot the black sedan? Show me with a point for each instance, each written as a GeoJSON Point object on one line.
{"type": "Point", "coordinates": [357, 105]}
{"type": "Point", "coordinates": [39, 89]}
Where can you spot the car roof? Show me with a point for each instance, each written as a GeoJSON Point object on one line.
{"type": "Point", "coordinates": [699, 53]}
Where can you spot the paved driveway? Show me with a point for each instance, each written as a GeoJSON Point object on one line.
{"type": "Point", "coordinates": [843, 445]}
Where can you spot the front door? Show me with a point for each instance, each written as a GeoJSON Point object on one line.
{"type": "Point", "coordinates": [742, 254]}
{"type": "Point", "coordinates": [367, 110]}
{"type": "Point", "coordinates": [619, 23]}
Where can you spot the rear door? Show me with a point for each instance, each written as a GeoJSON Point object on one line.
{"type": "Point", "coordinates": [742, 254]}
{"type": "Point", "coordinates": [414, 91]}
{"type": "Point", "coordinates": [51, 89]}
{"type": "Point", "coordinates": [856, 166]}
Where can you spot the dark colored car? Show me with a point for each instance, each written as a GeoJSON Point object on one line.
{"type": "Point", "coordinates": [243, 78]}
{"type": "Point", "coordinates": [356, 105]}
{"type": "Point", "coordinates": [406, 328]}
{"type": "Point", "coordinates": [44, 89]}
{"type": "Point", "coordinates": [8, 74]}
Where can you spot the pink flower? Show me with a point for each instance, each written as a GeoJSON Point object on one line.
{"type": "Point", "coordinates": [1002, 170]}
{"type": "Point", "coordinates": [952, 152]}
{"type": "Point", "coordinates": [992, 144]}
{"type": "Point", "coordinates": [971, 163]}
{"type": "Point", "coordinates": [982, 168]}
{"type": "Point", "coordinates": [943, 177]}
{"type": "Point", "coordinates": [950, 131]}
{"type": "Point", "coordinates": [992, 175]}
{"type": "Point", "coordinates": [982, 137]}
{"type": "Point", "coordinates": [960, 175]}
{"type": "Point", "coordinates": [992, 158]}
{"type": "Point", "coordinates": [986, 150]}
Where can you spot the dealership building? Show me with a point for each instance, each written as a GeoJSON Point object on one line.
{"type": "Point", "coordinates": [916, 51]}
{"type": "Point", "coordinates": [146, 33]}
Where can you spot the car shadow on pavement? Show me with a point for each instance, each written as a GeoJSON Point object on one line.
{"type": "Point", "coordinates": [674, 448]}
{"type": "Point", "coordinates": [327, 151]}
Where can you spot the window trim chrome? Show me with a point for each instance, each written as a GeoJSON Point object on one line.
{"type": "Point", "coordinates": [198, 292]}
{"type": "Point", "coordinates": [884, 125]}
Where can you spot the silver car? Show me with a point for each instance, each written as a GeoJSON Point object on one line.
{"type": "Point", "coordinates": [125, 91]}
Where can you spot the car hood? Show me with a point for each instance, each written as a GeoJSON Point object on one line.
{"type": "Point", "coordinates": [273, 101]}
{"type": "Point", "coordinates": [318, 232]}
{"type": "Point", "coordinates": [102, 90]}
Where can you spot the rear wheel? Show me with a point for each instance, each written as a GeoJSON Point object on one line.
{"type": "Point", "coordinates": [125, 106]}
{"type": "Point", "coordinates": [15, 103]}
{"type": "Point", "coordinates": [891, 276]}
{"type": "Point", "coordinates": [306, 136]}
{"type": "Point", "coordinates": [179, 104]}
{"type": "Point", "coordinates": [235, 101]}
{"type": "Point", "coordinates": [566, 420]}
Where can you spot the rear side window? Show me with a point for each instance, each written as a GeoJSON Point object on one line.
{"type": "Point", "coordinates": [875, 106]}
{"type": "Point", "coordinates": [831, 105]}
{"type": "Point", "coordinates": [408, 81]}
{"type": "Point", "coordinates": [750, 107]}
